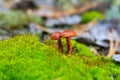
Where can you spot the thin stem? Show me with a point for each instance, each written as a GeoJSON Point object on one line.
{"type": "Point", "coordinates": [60, 45]}
{"type": "Point", "coordinates": [69, 46]}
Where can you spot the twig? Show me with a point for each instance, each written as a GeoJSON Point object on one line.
{"type": "Point", "coordinates": [113, 47]}
{"type": "Point", "coordinates": [78, 30]}
{"type": "Point", "coordinates": [80, 10]}
{"type": "Point", "coordinates": [43, 29]}
{"type": "Point", "coordinates": [75, 11]}
{"type": "Point", "coordinates": [85, 27]}
{"type": "Point", "coordinates": [94, 51]}
{"type": "Point", "coordinates": [111, 44]}
{"type": "Point", "coordinates": [117, 41]}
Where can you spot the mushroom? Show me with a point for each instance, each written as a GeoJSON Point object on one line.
{"type": "Point", "coordinates": [57, 36]}
{"type": "Point", "coordinates": [67, 34]}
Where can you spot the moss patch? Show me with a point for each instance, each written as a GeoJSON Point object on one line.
{"type": "Point", "coordinates": [14, 19]}
{"type": "Point", "coordinates": [89, 16]}
{"type": "Point", "coordinates": [26, 58]}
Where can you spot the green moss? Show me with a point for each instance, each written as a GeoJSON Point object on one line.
{"type": "Point", "coordinates": [89, 16]}
{"type": "Point", "coordinates": [13, 19]}
{"type": "Point", "coordinates": [26, 58]}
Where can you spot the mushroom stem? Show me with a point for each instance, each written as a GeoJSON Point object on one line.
{"type": "Point", "coordinates": [69, 46]}
{"type": "Point", "coordinates": [60, 45]}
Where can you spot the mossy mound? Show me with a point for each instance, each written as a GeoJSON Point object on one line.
{"type": "Point", "coordinates": [26, 58]}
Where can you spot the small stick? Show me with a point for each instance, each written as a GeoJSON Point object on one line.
{"type": "Point", "coordinates": [113, 49]}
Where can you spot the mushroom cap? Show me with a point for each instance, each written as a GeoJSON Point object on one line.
{"type": "Point", "coordinates": [68, 33]}
{"type": "Point", "coordinates": [56, 35]}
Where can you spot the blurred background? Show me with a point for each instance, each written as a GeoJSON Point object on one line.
{"type": "Point", "coordinates": [96, 22]}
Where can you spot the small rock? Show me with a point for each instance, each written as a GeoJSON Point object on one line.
{"type": "Point", "coordinates": [69, 20]}
{"type": "Point", "coordinates": [116, 57]}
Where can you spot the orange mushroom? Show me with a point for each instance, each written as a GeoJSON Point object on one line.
{"type": "Point", "coordinates": [67, 34]}
{"type": "Point", "coordinates": [57, 36]}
